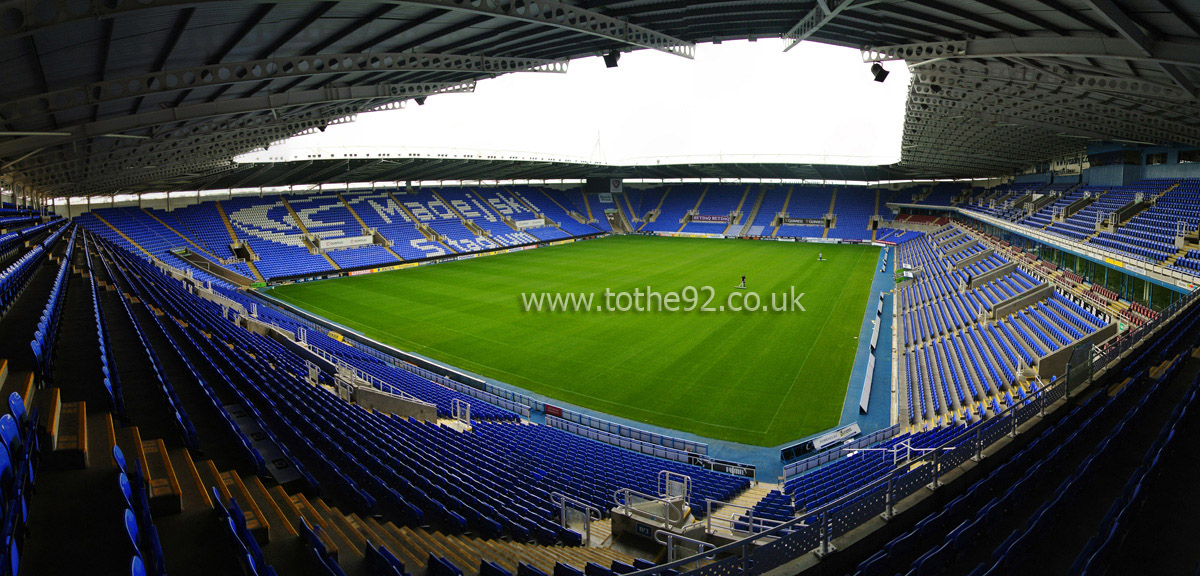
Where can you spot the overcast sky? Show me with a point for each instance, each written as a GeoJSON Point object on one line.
{"type": "Point", "coordinates": [736, 102]}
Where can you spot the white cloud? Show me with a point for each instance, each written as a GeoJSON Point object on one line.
{"type": "Point", "coordinates": [736, 102]}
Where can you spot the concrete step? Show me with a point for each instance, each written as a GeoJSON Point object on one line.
{"type": "Point", "coordinates": [192, 487]}
{"type": "Point", "coordinates": [280, 525]}
{"type": "Point", "coordinates": [305, 511]}
{"type": "Point", "coordinates": [256, 522]}
{"type": "Point", "coordinates": [70, 439]}
{"type": "Point", "coordinates": [165, 493]}
{"type": "Point", "coordinates": [349, 529]}
{"type": "Point", "coordinates": [49, 406]}
{"type": "Point", "coordinates": [406, 550]}
{"type": "Point", "coordinates": [330, 526]}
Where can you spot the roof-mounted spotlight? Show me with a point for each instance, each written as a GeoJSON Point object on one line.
{"type": "Point", "coordinates": [878, 72]}
{"type": "Point", "coordinates": [420, 100]}
{"type": "Point", "coordinates": [322, 127]}
{"type": "Point", "coordinates": [610, 58]}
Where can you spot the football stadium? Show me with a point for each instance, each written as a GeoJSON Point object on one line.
{"type": "Point", "coordinates": [567, 288]}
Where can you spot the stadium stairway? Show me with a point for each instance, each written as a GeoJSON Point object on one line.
{"type": "Point", "coordinates": [122, 234]}
{"type": "Point", "coordinates": [300, 224]}
{"type": "Point", "coordinates": [737, 223]}
{"type": "Point", "coordinates": [762, 193]}
{"type": "Point", "coordinates": [783, 210]}
{"type": "Point", "coordinates": [653, 214]}
{"type": "Point", "coordinates": [876, 213]}
{"type": "Point", "coordinates": [198, 247]}
{"type": "Point", "coordinates": [76, 432]}
{"type": "Point", "coordinates": [832, 201]}
{"type": "Point", "coordinates": [233, 238]}
{"type": "Point", "coordinates": [695, 208]}
{"type": "Point", "coordinates": [633, 215]}
{"type": "Point", "coordinates": [748, 499]}
{"type": "Point", "coordinates": [1172, 258]}
{"type": "Point", "coordinates": [364, 226]}
{"type": "Point", "coordinates": [588, 206]}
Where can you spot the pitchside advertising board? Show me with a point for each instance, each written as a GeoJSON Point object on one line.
{"type": "Point", "coordinates": [345, 242]}
{"type": "Point", "coordinates": [804, 221]}
{"type": "Point", "coordinates": [744, 470]}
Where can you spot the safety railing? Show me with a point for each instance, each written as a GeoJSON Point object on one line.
{"type": "Point", "coordinates": [815, 529]}
{"type": "Point", "coordinates": [692, 550]}
{"type": "Point", "coordinates": [1145, 269]}
{"type": "Point", "coordinates": [650, 507]}
{"type": "Point", "coordinates": [735, 518]}
{"type": "Point", "coordinates": [565, 504]}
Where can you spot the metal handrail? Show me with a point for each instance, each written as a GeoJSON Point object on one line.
{"type": "Point", "coordinates": [973, 435]}
{"type": "Point", "coordinates": [665, 477]}
{"type": "Point", "coordinates": [561, 500]}
{"type": "Point", "coordinates": [731, 519]}
{"type": "Point", "coordinates": [621, 498]}
{"type": "Point", "coordinates": [669, 542]}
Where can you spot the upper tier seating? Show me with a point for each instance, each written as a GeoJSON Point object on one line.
{"type": "Point", "coordinates": [267, 226]}
{"type": "Point", "coordinates": [679, 200]}
{"type": "Point", "coordinates": [720, 200]}
{"type": "Point", "coordinates": [773, 200]}
{"type": "Point", "coordinates": [379, 212]}
{"type": "Point", "coordinates": [854, 208]}
{"type": "Point", "coordinates": [954, 366]}
{"type": "Point", "coordinates": [554, 205]}
{"type": "Point", "coordinates": [807, 202]}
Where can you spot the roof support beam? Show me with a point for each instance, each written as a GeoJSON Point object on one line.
{"type": "Point", "coordinates": [1122, 23]}
{"type": "Point", "coordinates": [22, 20]}
{"type": "Point", "coordinates": [229, 73]}
{"type": "Point", "coordinates": [1040, 46]}
{"type": "Point", "coordinates": [364, 94]}
{"type": "Point", "coordinates": [821, 14]}
{"type": "Point", "coordinates": [1129, 30]}
{"type": "Point", "coordinates": [160, 62]}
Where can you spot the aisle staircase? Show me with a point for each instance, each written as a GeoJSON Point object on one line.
{"type": "Point", "coordinates": [198, 247]}
{"type": "Point", "coordinates": [122, 234]}
{"type": "Point", "coordinates": [304, 229]}
{"type": "Point", "coordinates": [364, 227]}
{"type": "Point", "coordinates": [762, 193]}
{"type": "Point", "coordinates": [876, 214]}
{"type": "Point", "coordinates": [233, 239]}
{"type": "Point", "coordinates": [738, 507]}
{"type": "Point", "coordinates": [588, 206]}
{"type": "Point", "coordinates": [694, 209]}
{"type": "Point", "coordinates": [573, 214]}
{"type": "Point", "coordinates": [783, 210]}
{"type": "Point", "coordinates": [632, 215]}
{"type": "Point", "coordinates": [832, 200]}
{"type": "Point", "coordinates": [737, 210]}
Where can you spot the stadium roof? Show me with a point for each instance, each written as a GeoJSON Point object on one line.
{"type": "Point", "coordinates": [139, 95]}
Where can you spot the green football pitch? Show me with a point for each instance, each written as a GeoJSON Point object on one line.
{"type": "Point", "coordinates": [761, 378]}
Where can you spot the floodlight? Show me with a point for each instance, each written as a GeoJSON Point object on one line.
{"type": "Point", "coordinates": [879, 73]}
